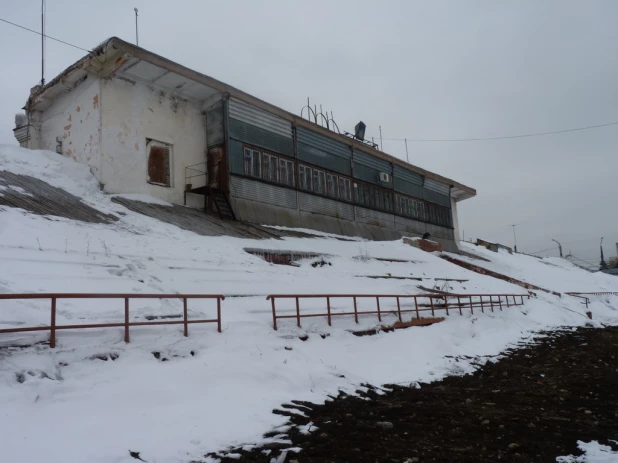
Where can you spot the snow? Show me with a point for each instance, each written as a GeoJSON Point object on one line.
{"type": "Point", "coordinates": [593, 452]}
{"type": "Point", "coordinates": [217, 390]}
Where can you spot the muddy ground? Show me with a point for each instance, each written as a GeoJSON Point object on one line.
{"type": "Point", "coordinates": [532, 405]}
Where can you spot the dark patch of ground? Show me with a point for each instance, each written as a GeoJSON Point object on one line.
{"type": "Point", "coordinates": [532, 405]}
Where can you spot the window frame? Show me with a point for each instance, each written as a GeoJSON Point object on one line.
{"type": "Point", "coordinates": [251, 152]}
{"type": "Point", "coordinates": [167, 162]}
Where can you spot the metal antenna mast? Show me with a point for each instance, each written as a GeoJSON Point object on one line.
{"type": "Point", "coordinates": [136, 32]}
{"type": "Point", "coordinates": [42, 42]}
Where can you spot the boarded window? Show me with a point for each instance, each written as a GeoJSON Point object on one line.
{"type": "Point", "coordinates": [159, 163]}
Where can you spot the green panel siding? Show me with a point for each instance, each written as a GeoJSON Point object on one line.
{"type": "Point", "coordinates": [320, 158]}
{"type": "Point", "coordinates": [260, 137]}
{"type": "Point", "coordinates": [437, 198]}
{"type": "Point", "coordinates": [408, 188]}
{"type": "Point", "coordinates": [236, 157]}
{"type": "Point", "coordinates": [407, 175]}
{"type": "Point", "coordinates": [323, 143]}
{"type": "Point", "coordinates": [368, 168]}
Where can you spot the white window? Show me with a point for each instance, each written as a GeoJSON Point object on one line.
{"type": "Point", "coordinates": [159, 163]}
{"type": "Point", "coordinates": [345, 191]}
{"type": "Point", "coordinates": [286, 175]}
{"type": "Point", "coordinates": [269, 168]}
{"type": "Point", "coordinates": [252, 163]}
{"type": "Point", "coordinates": [332, 185]}
{"type": "Point", "coordinates": [319, 181]}
{"type": "Point", "coordinates": [304, 174]}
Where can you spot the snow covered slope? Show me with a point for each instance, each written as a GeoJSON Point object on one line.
{"type": "Point", "coordinates": [213, 390]}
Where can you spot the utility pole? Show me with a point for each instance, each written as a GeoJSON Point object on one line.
{"type": "Point", "coordinates": [514, 236]}
{"type": "Point", "coordinates": [407, 157]}
{"type": "Point", "coordinates": [380, 127]}
{"type": "Point", "coordinates": [559, 246]}
{"type": "Point", "coordinates": [603, 265]}
{"type": "Point", "coordinates": [136, 32]}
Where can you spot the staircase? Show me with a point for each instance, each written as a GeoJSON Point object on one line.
{"type": "Point", "coordinates": [223, 205]}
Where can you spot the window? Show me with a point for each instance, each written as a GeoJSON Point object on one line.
{"type": "Point", "coordinates": [319, 182]}
{"type": "Point", "coordinates": [159, 163]}
{"type": "Point", "coordinates": [333, 185]}
{"type": "Point", "coordinates": [269, 168]}
{"type": "Point", "coordinates": [286, 172]}
{"type": "Point", "coordinates": [304, 174]}
{"type": "Point", "coordinates": [345, 191]}
{"type": "Point", "coordinates": [252, 163]}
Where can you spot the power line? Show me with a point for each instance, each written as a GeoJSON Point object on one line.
{"type": "Point", "coordinates": [505, 137]}
{"type": "Point", "coordinates": [543, 250]}
{"type": "Point", "coordinates": [46, 36]}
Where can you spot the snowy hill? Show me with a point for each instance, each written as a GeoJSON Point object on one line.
{"type": "Point", "coordinates": [76, 403]}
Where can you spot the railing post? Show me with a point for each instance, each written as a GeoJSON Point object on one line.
{"type": "Point", "coordinates": [399, 309]}
{"type": "Point", "coordinates": [500, 301]}
{"type": "Point", "coordinates": [328, 310]}
{"type": "Point", "coordinates": [297, 312]}
{"type": "Point", "coordinates": [272, 301]}
{"type": "Point", "coordinates": [52, 327]}
{"type": "Point", "coordinates": [126, 320]}
{"type": "Point", "coordinates": [471, 308]}
{"type": "Point", "coordinates": [491, 302]}
{"type": "Point", "coordinates": [184, 306]}
{"type": "Point", "coordinates": [219, 314]}
{"type": "Point", "coordinates": [459, 305]}
{"type": "Point", "coordinates": [431, 302]}
{"type": "Point", "coordinates": [416, 306]}
{"type": "Point", "coordinates": [482, 308]}
{"type": "Point", "coordinates": [355, 310]}
{"type": "Point", "coordinates": [507, 301]}
{"type": "Point", "coordinates": [378, 303]}
{"type": "Point", "coordinates": [446, 304]}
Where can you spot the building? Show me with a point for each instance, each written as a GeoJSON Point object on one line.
{"type": "Point", "coordinates": [145, 124]}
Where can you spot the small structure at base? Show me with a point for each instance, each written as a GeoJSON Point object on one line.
{"type": "Point", "coordinates": [493, 246]}
{"type": "Point", "coordinates": [425, 245]}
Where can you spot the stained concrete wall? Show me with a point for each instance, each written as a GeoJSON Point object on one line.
{"type": "Point", "coordinates": [268, 214]}
{"type": "Point", "coordinates": [75, 117]}
{"type": "Point", "coordinates": [133, 113]}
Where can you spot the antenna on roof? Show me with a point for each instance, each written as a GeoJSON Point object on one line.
{"type": "Point", "coordinates": [136, 33]}
{"type": "Point", "coordinates": [42, 42]}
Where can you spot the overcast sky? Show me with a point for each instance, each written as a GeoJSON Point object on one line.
{"type": "Point", "coordinates": [419, 69]}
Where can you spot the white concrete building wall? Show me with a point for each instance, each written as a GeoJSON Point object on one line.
{"type": "Point", "coordinates": [75, 117]}
{"type": "Point", "coordinates": [133, 113]}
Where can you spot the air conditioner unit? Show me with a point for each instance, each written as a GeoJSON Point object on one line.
{"type": "Point", "coordinates": [384, 177]}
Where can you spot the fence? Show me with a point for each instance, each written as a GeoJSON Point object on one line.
{"type": "Point", "coordinates": [586, 299]}
{"type": "Point", "coordinates": [54, 297]}
{"type": "Point", "coordinates": [421, 303]}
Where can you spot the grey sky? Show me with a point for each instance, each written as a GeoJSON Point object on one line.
{"type": "Point", "coordinates": [420, 69]}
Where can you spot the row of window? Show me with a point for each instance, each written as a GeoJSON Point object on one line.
{"type": "Point", "coordinates": [269, 167]}
{"type": "Point", "coordinates": [324, 183]}
{"type": "Point", "coordinates": [280, 170]}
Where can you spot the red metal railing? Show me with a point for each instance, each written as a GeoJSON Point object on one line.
{"type": "Point", "coordinates": [586, 299]}
{"type": "Point", "coordinates": [54, 297]}
{"type": "Point", "coordinates": [421, 303]}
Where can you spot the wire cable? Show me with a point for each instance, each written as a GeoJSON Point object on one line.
{"type": "Point", "coordinates": [505, 137]}
{"type": "Point", "coordinates": [44, 35]}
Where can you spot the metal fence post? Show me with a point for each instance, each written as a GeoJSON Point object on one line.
{"type": "Point", "coordinates": [272, 301]}
{"type": "Point", "coordinates": [431, 302]}
{"type": "Point", "coordinates": [126, 320]}
{"type": "Point", "coordinates": [184, 306]}
{"type": "Point", "coordinates": [459, 305]}
{"type": "Point", "coordinates": [52, 328]}
{"type": "Point", "coordinates": [416, 306]}
{"type": "Point", "coordinates": [355, 311]}
{"type": "Point", "coordinates": [219, 314]}
{"type": "Point", "coordinates": [328, 310]}
{"type": "Point", "coordinates": [471, 307]}
{"type": "Point", "coordinates": [378, 303]}
{"type": "Point", "coordinates": [399, 309]}
{"type": "Point", "coordinates": [482, 308]}
{"type": "Point", "coordinates": [500, 301]}
{"type": "Point", "coordinates": [297, 312]}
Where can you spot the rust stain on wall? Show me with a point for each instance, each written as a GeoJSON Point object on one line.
{"type": "Point", "coordinates": [70, 118]}
{"type": "Point", "coordinates": [78, 109]}
{"type": "Point", "coordinates": [67, 127]}
{"type": "Point", "coordinates": [95, 101]}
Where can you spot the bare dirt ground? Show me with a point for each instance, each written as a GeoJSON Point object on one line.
{"type": "Point", "coordinates": [532, 405]}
